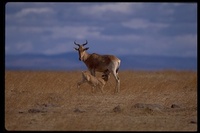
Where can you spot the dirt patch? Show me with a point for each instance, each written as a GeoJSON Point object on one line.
{"type": "Point", "coordinates": [150, 106]}
{"type": "Point", "coordinates": [117, 109]}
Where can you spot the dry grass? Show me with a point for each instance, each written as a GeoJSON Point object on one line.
{"type": "Point", "coordinates": [45, 100]}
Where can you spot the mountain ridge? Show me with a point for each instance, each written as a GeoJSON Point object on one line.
{"type": "Point", "coordinates": [69, 61]}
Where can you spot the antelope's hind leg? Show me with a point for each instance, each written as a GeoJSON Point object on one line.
{"type": "Point", "coordinates": [117, 87]}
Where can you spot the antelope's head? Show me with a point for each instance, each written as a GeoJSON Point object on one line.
{"type": "Point", "coordinates": [81, 50]}
{"type": "Point", "coordinates": [86, 75]}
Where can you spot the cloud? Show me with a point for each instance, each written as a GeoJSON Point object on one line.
{"type": "Point", "coordinates": [138, 23]}
{"type": "Point", "coordinates": [58, 48]}
{"type": "Point", "coordinates": [106, 7]}
{"type": "Point", "coordinates": [104, 10]}
{"type": "Point", "coordinates": [19, 47]}
{"type": "Point", "coordinates": [77, 32]}
{"type": "Point", "coordinates": [186, 44]}
{"type": "Point", "coordinates": [28, 11]}
{"type": "Point", "coordinates": [134, 28]}
{"type": "Point", "coordinates": [180, 45]}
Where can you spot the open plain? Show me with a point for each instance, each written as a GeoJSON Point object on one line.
{"type": "Point", "coordinates": [148, 101]}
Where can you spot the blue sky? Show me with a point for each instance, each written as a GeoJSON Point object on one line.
{"type": "Point", "coordinates": [168, 29]}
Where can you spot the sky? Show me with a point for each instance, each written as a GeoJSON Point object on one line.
{"type": "Point", "coordinates": [161, 29]}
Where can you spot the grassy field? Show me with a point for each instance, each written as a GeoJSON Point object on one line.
{"type": "Point", "coordinates": [147, 101]}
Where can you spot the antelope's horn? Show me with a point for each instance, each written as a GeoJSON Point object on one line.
{"type": "Point", "coordinates": [85, 43]}
{"type": "Point", "coordinates": [76, 44]}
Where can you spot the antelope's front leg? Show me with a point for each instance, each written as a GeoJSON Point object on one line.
{"type": "Point", "coordinates": [101, 88]}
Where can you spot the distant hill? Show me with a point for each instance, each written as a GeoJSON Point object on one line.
{"type": "Point", "coordinates": [158, 62]}
{"type": "Point", "coordinates": [69, 61]}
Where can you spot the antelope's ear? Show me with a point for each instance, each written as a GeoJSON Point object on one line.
{"type": "Point", "coordinates": [86, 48]}
{"type": "Point", "coordinates": [76, 49]}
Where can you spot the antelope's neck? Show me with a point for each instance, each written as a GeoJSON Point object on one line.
{"type": "Point", "coordinates": [86, 56]}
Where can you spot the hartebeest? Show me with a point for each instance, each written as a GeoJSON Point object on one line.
{"type": "Point", "coordinates": [93, 81]}
{"type": "Point", "coordinates": [100, 63]}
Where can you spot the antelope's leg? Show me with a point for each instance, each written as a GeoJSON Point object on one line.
{"type": "Point", "coordinates": [117, 87]}
{"type": "Point", "coordinates": [92, 72]}
{"type": "Point", "coordinates": [102, 89]}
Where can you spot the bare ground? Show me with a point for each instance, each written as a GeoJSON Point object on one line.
{"type": "Point", "coordinates": [147, 101]}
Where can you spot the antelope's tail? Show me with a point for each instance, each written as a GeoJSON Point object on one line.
{"type": "Point", "coordinates": [118, 66]}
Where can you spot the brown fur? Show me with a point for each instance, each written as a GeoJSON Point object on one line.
{"type": "Point", "coordinates": [100, 63]}
{"type": "Point", "coordinates": [93, 81]}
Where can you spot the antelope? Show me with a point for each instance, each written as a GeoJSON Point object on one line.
{"type": "Point", "coordinates": [93, 81]}
{"type": "Point", "coordinates": [100, 63]}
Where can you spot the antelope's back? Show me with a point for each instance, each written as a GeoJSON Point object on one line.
{"type": "Point", "coordinates": [100, 62]}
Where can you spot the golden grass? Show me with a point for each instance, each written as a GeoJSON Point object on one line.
{"type": "Point", "coordinates": [50, 100]}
